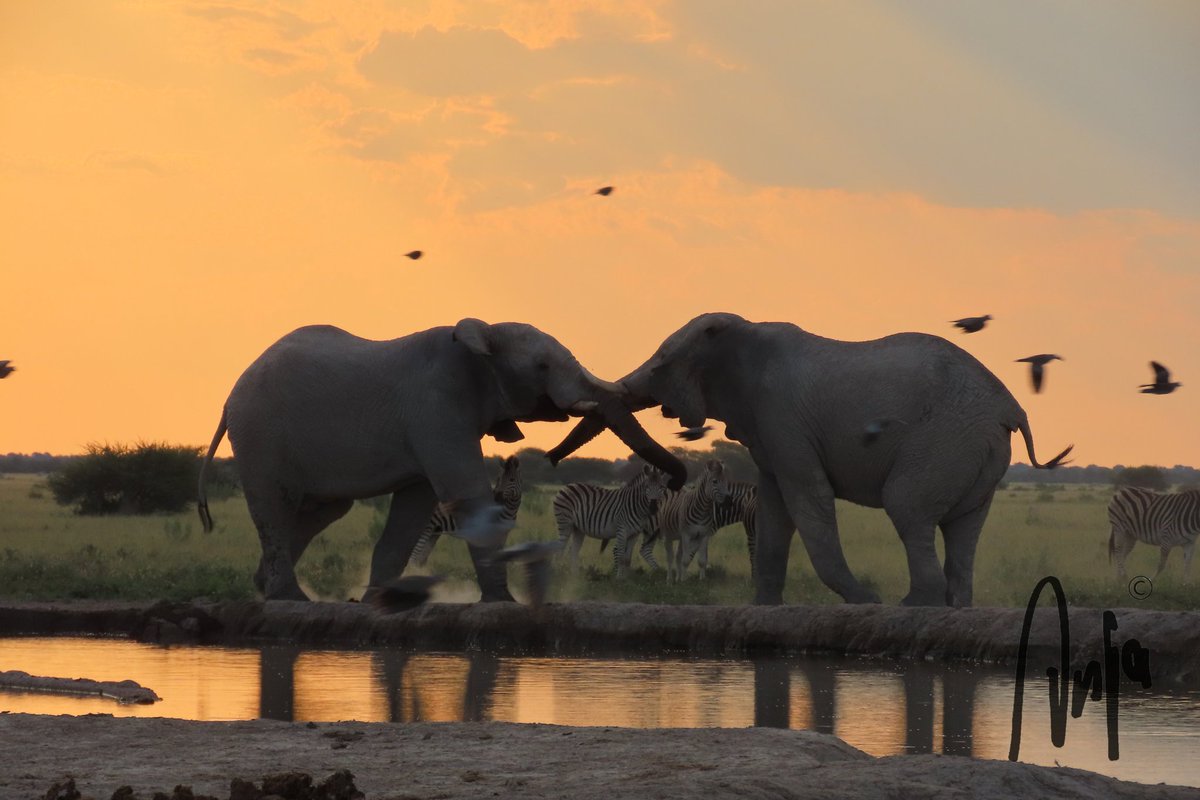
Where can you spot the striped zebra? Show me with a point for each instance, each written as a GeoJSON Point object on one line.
{"type": "Point", "coordinates": [507, 493]}
{"type": "Point", "coordinates": [1166, 520]}
{"type": "Point", "coordinates": [741, 506]}
{"type": "Point", "coordinates": [687, 520]}
{"type": "Point", "coordinates": [584, 509]}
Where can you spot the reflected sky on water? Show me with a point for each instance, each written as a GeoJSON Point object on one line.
{"type": "Point", "coordinates": [882, 708]}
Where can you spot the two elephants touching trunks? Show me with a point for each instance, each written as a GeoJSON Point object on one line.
{"type": "Point", "coordinates": [323, 418]}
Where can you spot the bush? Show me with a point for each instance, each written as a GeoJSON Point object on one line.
{"type": "Point", "coordinates": [118, 479]}
{"type": "Point", "coordinates": [1146, 477]}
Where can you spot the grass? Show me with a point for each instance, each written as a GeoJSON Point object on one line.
{"type": "Point", "coordinates": [47, 552]}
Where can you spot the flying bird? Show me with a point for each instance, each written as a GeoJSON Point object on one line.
{"type": "Point", "coordinates": [694, 434]}
{"type": "Point", "coordinates": [404, 594]}
{"type": "Point", "coordinates": [1037, 365]}
{"type": "Point", "coordinates": [1162, 381]}
{"type": "Point", "coordinates": [875, 428]}
{"type": "Point", "coordinates": [972, 324]}
{"type": "Point", "coordinates": [536, 558]}
{"type": "Point", "coordinates": [485, 528]}
{"type": "Point", "coordinates": [414, 254]}
{"type": "Point", "coordinates": [604, 191]}
{"type": "Point", "coordinates": [5, 369]}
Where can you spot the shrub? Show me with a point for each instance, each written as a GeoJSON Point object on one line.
{"type": "Point", "coordinates": [142, 479]}
{"type": "Point", "coordinates": [1147, 477]}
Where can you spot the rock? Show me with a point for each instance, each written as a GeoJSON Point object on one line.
{"type": "Point", "coordinates": [243, 790]}
{"type": "Point", "coordinates": [63, 791]}
{"type": "Point", "coordinates": [123, 793]}
{"type": "Point", "coordinates": [289, 785]}
{"type": "Point", "coordinates": [338, 786]}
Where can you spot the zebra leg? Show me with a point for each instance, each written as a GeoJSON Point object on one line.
{"type": "Point", "coordinates": [576, 537]}
{"type": "Point", "coordinates": [1164, 552]}
{"type": "Point", "coordinates": [751, 535]}
{"type": "Point", "coordinates": [647, 551]}
{"type": "Point", "coordinates": [1120, 544]}
{"type": "Point", "coordinates": [669, 546]}
{"type": "Point", "coordinates": [424, 547]}
{"type": "Point", "coordinates": [704, 556]}
{"type": "Point", "coordinates": [1188, 549]}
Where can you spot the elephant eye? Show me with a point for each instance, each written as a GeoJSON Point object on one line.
{"type": "Point", "coordinates": [543, 366]}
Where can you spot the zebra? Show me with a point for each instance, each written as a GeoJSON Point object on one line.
{"type": "Point", "coordinates": [507, 493]}
{"type": "Point", "coordinates": [584, 509]}
{"type": "Point", "coordinates": [688, 519]}
{"type": "Point", "coordinates": [741, 506]}
{"type": "Point", "coordinates": [1166, 520]}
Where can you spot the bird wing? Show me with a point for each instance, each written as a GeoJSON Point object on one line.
{"type": "Point", "coordinates": [1035, 372]}
{"type": "Point", "coordinates": [1161, 373]}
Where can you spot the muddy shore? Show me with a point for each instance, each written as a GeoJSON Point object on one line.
{"type": "Point", "coordinates": [973, 635]}
{"type": "Point", "coordinates": [492, 759]}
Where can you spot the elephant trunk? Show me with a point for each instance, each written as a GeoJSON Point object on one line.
{"type": "Point", "coordinates": [615, 412]}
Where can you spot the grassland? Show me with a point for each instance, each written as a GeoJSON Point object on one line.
{"type": "Point", "coordinates": [47, 552]}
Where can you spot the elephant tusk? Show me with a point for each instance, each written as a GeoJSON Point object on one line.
{"type": "Point", "coordinates": [585, 406]}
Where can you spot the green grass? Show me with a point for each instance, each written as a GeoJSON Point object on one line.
{"type": "Point", "coordinates": [47, 552]}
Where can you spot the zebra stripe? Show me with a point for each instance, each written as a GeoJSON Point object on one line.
{"type": "Point", "coordinates": [741, 506]}
{"type": "Point", "coordinates": [584, 509]}
{"type": "Point", "coordinates": [506, 492]}
{"type": "Point", "coordinates": [688, 519]}
{"type": "Point", "coordinates": [1165, 520]}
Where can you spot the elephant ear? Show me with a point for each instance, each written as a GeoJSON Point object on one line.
{"type": "Point", "coordinates": [474, 334]}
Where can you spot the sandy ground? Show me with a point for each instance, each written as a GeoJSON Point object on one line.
{"type": "Point", "coordinates": [470, 760]}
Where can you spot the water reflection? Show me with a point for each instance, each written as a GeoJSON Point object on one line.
{"type": "Point", "coordinates": [912, 707]}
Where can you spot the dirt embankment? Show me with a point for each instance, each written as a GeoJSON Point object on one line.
{"type": "Point", "coordinates": [979, 635]}
{"type": "Point", "coordinates": [492, 759]}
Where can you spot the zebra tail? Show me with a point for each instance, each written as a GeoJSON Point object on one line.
{"type": "Point", "coordinates": [1057, 461]}
{"type": "Point", "coordinates": [206, 520]}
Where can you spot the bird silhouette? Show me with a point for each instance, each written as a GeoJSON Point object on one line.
{"type": "Point", "coordinates": [414, 254]}
{"type": "Point", "coordinates": [875, 428]}
{"type": "Point", "coordinates": [404, 594]}
{"type": "Point", "coordinates": [694, 434]}
{"type": "Point", "coordinates": [535, 556]}
{"type": "Point", "coordinates": [604, 191]}
{"type": "Point", "coordinates": [972, 324]}
{"type": "Point", "coordinates": [1162, 381]}
{"type": "Point", "coordinates": [1037, 366]}
{"type": "Point", "coordinates": [5, 369]}
{"type": "Point", "coordinates": [486, 527]}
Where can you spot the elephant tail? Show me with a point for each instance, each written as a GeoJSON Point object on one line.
{"type": "Point", "coordinates": [1057, 461]}
{"type": "Point", "coordinates": [206, 519]}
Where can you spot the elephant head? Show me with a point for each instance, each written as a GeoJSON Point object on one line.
{"type": "Point", "coordinates": [535, 378]}
{"type": "Point", "coordinates": [674, 378]}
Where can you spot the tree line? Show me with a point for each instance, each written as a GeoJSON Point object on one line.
{"type": "Point", "coordinates": [158, 477]}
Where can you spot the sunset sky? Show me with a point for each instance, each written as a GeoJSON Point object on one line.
{"type": "Point", "coordinates": [182, 183]}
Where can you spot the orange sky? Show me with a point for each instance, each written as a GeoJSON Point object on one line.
{"type": "Point", "coordinates": [182, 183]}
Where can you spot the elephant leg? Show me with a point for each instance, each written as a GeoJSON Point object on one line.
{"type": "Point", "coordinates": [812, 510]}
{"type": "Point", "coordinates": [926, 580]}
{"type": "Point", "coordinates": [961, 536]}
{"type": "Point", "coordinates": [275, 519]}
{"type": "Point", "coordinates": [407, 517]}
{"type": "Point", "coordinates": [492, 575]}
{"type": "Point", "coordinates": [771, 555]}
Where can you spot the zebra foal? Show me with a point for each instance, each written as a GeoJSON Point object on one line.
{"type": "Point", "coordinates": [1165, 520]}
{"type": "Point", "coordinates": [506, 491]}
{"type": "Point", "coordinates": [584, 509]}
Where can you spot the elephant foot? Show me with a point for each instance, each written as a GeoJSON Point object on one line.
{"type": "Point", "coordinates": [771, 598]}
{"type": "Point", "coordinates": [294, 593]}
{"type": "Point", "coordinates": [863, 595]}
{"type": "Point", "coordinates": [498, 596]}
{"type": "Point", "coordinates": [924, 598]}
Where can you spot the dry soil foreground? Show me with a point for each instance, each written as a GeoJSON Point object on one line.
{"type": "Point", "coordinates": [468, 760]}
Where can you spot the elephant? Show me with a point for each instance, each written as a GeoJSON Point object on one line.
{"type": "Point", "coordinates": [801, 404]}
{"type": "Point", "coordinates": [323, 418]}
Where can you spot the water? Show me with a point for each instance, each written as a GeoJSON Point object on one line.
{"type": "Point", "coordinates": [882, 709]}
